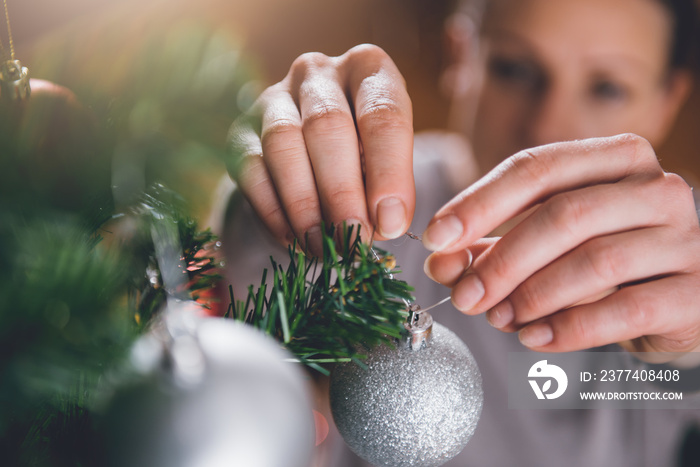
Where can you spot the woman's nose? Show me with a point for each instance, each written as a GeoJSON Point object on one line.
{"type": "Point", "coordinates": [553, 117]}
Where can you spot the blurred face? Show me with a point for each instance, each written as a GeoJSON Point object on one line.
{"type": "Point", "coordinates": [571, 69]}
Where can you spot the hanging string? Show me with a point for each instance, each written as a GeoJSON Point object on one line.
{"type": "Point", "coordinates": [3, 52]}
{"type": "Point", "coordinates": [4, 55]}
{"type": "Point", "coordinates": [9, 33]}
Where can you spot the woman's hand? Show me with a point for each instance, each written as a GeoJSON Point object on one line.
{"type": "Point", "coordinates": [609, 250]}
{"type": "Point", "coordinates": [332, 142]}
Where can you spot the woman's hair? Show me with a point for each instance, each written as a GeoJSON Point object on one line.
{"type": "Point", "coordinates": [685, 41]}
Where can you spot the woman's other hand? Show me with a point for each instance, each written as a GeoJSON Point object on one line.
{"type": "Point", "coordinates": [609, 250]}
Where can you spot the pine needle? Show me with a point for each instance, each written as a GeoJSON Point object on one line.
{"type": "Point", "coordinates": [331, 308]}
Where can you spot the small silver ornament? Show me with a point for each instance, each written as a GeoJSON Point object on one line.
{"type": "Point", "coordinates": [415, 405]}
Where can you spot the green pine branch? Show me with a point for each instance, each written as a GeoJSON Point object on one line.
{"type": "Point", "coordinates": [328, 309]}
{"type": "Point", "coordinates": [68, 315]}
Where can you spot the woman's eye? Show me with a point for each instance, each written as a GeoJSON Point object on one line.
{"type": "Point", "coordinates": [516, 72]}
{"type": "Point", "coordinates": [608, 91]}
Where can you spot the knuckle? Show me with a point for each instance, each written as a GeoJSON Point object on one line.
{"type": "Point", "coordinates": [249, 161]}
{"type": "Point", "coordinates": [327, 116]}
{"type": "Point", "coordinates": [535, 168]}
{"type": "Point", "coordinates": [607, 261]}
{"type": "Point", "coordinates": [684, 340]}
{"type": "Point", "coordinates": [243, 154]}
{"type": "Point", "coordinates": [270, 94]}
{"type": "Point", "coordinates": [366, 51]}
{"type": "Point", "coordinates": [303, 63]}
{"type": "Point", "coordinates": [240, 125]}
{"type": "Point", "coordinates": [345, 194]}
{"type": "Point", "coordinates": [678, 190]}
{"type": "Point", "coordinates": [344, 202]}
{"type": "Point", "coordinates": [639, 150]}
{"type": "Point", "coordinates": [237, 139]}
{"type": "Point", "coordinates": [566, 212]}
{"type": "Point", "coordinates": [269, 213]}
{"type": "Point", "coordinates": [635, 142]}
{"type": "Point", "coordinates": [382, 114]}
{"type": "Point", "coordinates": [499, 268]}
{"type": "Point", "coordinates": [529, 300]}
{"type": "Point", "coordinates": [637, 311]}
{"type": "Point", "coordinates": [279, 128]}
{"type": "Point", "coordinates": [676, 182]}
{"type": "Point", "coordinates": [677, 199]}
{"type": "Point", "coordinates": [382, 106]}
{"type": "Point", "coordinates": [303, 207]}
{"type": "Point", "coordinates": [579, 327]}
{"type": "Point", "coordinates": [266, 103]}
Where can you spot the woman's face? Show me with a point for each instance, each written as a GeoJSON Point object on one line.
{"type": "Point", "coordinates": [572, 69]}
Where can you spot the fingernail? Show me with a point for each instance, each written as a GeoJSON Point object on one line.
{"type": "Point", "coordinates": [536, 335]}
{"type": "Point", "coordinates": [314, 240]}
{"type": "Point", "coordinates": [501, 315]}
{"type": "Point", "coordinates": [470, 259]}
{"type": "Point", "coordinates": [447, 269]}
{"type": "Point", "coordinates": [426, 268]}
{"type": "Point", "coordinates": [467, 293]}
{"type": "Point", "coordinates": [290, 237]}
{"type": "Point", "coordinates": [391, 217]}
{"type": "Point", "coordinates": [443, 233]}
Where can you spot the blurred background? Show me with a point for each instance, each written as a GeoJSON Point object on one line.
{"type": "Point", "coordinates": [88, 46]}
{"type": "Point", "coordinates": [273, 32]}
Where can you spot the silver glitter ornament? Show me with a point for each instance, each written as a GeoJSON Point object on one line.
{"type": "Point", "coordinates": [415, 405]}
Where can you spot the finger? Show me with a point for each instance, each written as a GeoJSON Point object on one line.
{"type": "Point", "coordinates": [660, 309]}
{"type": "Point", "coordinates": [448, 268]}
{"type": "Point", "coordinates": [331, 140]}
{"type": "Point", "coordinates": [559, 225]}
{"type": "Point", "coordinates": [245, 165]}
{"type": "Point", "coordinates": [287, 161]}
{"type": "Point", "coordinates": [385, 125]}
{"type": "Point", "coordinates": [593, 268]}
{"type": "Point", "coordinates": [530, 177]}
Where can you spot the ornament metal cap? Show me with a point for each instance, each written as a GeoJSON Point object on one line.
{"type": "Point", "coordinates": [14, 81]}
{"type": "Point", "coordinates": [419, 327]}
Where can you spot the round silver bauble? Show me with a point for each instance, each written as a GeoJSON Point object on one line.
{"type": "Point", "coordinates": [415, 405]}
{"type": "Point", "coordinates": [219, 394]}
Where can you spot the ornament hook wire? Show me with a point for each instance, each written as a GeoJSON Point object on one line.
{"type": "Point", "coordinates": [444, 300]}
{"type": "Point", "coordinates": [413, 308]}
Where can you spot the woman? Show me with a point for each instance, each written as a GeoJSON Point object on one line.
{"type": "Point", "coordinates": [584, 211]}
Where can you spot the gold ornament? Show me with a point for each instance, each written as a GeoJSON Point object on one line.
{"type": "Point", "coordinates": [14, 78]}
{"type": "Point", "coordinates": [14, 81]}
